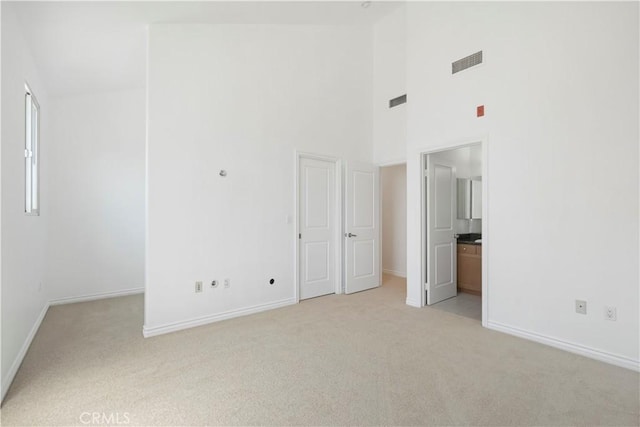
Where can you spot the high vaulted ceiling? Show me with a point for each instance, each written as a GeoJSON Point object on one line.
{"type": "Point", "coordinates": [87, 46]}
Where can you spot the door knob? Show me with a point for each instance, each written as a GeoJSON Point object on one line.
{"type": "Point", "coordinates": [352, 235]}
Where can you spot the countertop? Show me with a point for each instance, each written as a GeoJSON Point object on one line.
{"type": "Point", "coordinates": [469, 239]}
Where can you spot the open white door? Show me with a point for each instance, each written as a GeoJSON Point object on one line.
{"type": "Point", "coordinates": [362, 227]}
{"type": "Point", "coordinates": [441, 244]}
{"type": "Point", "coordinates": [317, 227]}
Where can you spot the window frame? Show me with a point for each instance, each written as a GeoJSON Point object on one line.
{"type": "Point", "coordinates": [31, 153]}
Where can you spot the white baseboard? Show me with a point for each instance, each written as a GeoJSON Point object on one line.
{"type": "Point", "coordinates": [395, 273]}
{"type": "Point", "coordinates": [414, 303]}
{"type": "Point", "coordinates": [6, 381]}
{"type": "Point", "coordinates": [92, 297]}
{"type": "Point", "coordinates": [204, 320]}
{"type": "Point", "coordinates": [592, 353]}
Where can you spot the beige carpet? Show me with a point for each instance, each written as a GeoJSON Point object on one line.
{"type": "Point", "coordinates": [363, 359]}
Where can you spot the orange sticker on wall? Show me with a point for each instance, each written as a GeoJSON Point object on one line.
{"type": "Point", "coordinates": [480, 111]}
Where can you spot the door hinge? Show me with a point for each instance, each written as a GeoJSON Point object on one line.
{"type": "Point", "coordinates": [299, 235]}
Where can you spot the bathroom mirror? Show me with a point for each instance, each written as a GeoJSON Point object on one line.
{"type": "Point", "coordinates": [470, 198]}
{"type": "Point", "coordinates": [464, 198]}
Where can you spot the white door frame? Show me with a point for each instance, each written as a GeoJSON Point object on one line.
{"type": "Point", "coordinates": [484, 143]}
{"type": "Point", "coordinates": [337, 238]}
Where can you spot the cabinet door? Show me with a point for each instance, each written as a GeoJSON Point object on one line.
{"type": "Point", "coordinates": [467, 249]}
{"type": "Point", "coordinates": [469, 269]}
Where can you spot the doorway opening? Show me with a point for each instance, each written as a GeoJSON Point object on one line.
{"type": "Point", "coordinates": [393, 196]}
{"type": "Point", "coordinates": [454, 229]}
{"type": "Point", "coordinates": [337, 240]}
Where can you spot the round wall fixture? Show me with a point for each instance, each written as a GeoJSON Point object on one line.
{"type": "Point", "coordinates": [223, 172]}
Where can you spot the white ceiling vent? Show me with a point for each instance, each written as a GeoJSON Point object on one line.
{"type": "Point", "coordinates": [466, 62]}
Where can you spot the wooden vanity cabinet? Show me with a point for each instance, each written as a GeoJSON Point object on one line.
{"type": "Point", "coordinates": [470, 269]}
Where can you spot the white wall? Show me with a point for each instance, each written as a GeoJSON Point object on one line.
{"type": "Point", "coordinates": [393, 185]}
{"type": "Point", "coordinates": [389, 65]}
{"type": "Point", "coordinates": [241, 98]}
{"type": "Point", "coordinates": [23, 237]}
{"type": "Point", "coordinates": [560, 85]}
{"type": "Point", "coordinates": [96, 184]}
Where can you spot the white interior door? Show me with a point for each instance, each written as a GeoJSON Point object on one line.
{"type": "Point", "coordinates": [317, 224]}
{"type": "Point", "coordinates": [441, 244]}
{"type": "Point", "coordinates": [362, 227]}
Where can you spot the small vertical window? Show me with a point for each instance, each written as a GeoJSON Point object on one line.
{"type": "Point", "coordinates": [32, 153]}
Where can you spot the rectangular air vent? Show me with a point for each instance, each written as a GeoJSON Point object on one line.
{"type": "Point", "coordinates": [397, 101]}
{"type": "Point", "coordinates": [467, 62]}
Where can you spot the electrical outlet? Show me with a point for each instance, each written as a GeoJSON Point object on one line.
{"type": "Point", "coordinates": [611, 313]}
{"type": "Point", "coordinates": [581, 307]}
{"type": "Point", "coordinates": [214, 283]}
{"type": "Point", "coordinates": [198, 287]}
{"type": "Point", "coordinates": [227, 283]}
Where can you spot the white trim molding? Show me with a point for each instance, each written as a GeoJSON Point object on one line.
{"type": "Point", "coordinates": [592, 353]}
{"type": "Point", "coordinates": [414, 303]}
{"type": "Point", "coordinates": [395, 273]}
{"type": "Point", "coordinates": [396, 162]}
{"type": "Point", "coordinates": [6, 381]}
{"type": "Point", "coordinates": [204, 320]}
{"type": "Point", "coordinates": [92, 297]}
